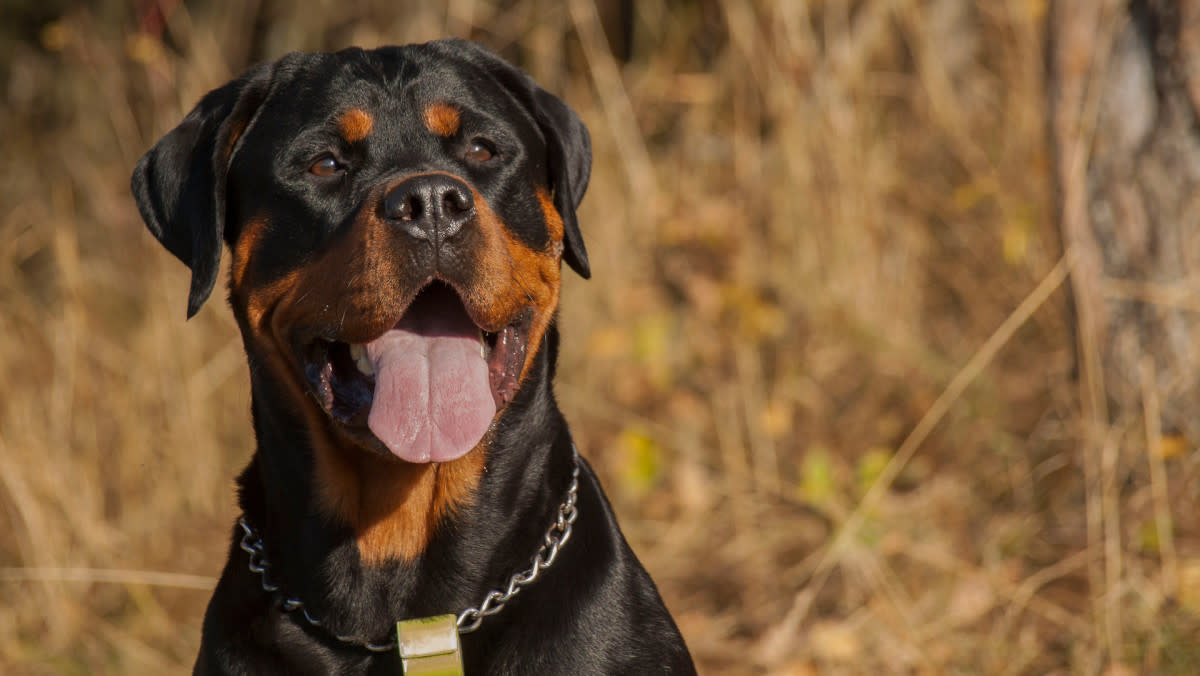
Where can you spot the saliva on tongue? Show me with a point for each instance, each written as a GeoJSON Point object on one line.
{"type": "Point", "coordinates": [433, 401]}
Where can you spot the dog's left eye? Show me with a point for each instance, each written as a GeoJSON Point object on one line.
{"type": "Point", "coordinates": [480, 151]}
{"type": "Point", "coordinates": [326, 166]}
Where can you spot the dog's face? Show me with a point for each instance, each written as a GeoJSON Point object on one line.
{"type": "Point", "coordinates": [397, 220]}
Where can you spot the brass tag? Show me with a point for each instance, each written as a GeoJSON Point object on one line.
{"type": "Point", "coordinates": [429, 646]}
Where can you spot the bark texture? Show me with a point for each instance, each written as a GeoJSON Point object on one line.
{"type": "Point", "coordinates": [1124, 82]}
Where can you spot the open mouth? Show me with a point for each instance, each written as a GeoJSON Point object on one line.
{"type": "Point", "coordinates": [427, 388]}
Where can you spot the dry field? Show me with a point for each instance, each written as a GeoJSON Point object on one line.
{"type": "Point", "coordinates": [825, 365]}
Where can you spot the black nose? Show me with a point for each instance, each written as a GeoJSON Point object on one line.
{"type": "Point", "coordinates": [430, 206]}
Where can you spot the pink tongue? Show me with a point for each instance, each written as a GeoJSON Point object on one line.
{"type": "Point", "coordinates": [433, 401]}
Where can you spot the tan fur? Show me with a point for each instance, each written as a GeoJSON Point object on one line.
{"type": "Point", "coordinates": [442, 119]}
{"type": "Point", "coordinates": [393, 507]}
{"type": "Point", "coordinates": [244, 248]}
{"type": "Point", "coordinates": [514, 275]}
{"type": "Point", "coordinates": [355, 125]}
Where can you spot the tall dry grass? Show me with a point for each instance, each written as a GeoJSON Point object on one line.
{"type": "Point", "coordinates": [825, 364]}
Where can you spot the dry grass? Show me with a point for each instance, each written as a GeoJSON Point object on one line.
{"type": "Point", "coordinates": [825, 364]}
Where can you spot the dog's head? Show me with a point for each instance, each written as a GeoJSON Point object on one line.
{"type": "Point", "coordinates": [397, 220]}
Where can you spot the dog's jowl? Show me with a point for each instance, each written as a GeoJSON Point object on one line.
{"type": "Point", "coordinates": [396, 222]}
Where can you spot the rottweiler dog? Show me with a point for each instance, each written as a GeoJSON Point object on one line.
{"type": "Point", "coordinates": [397, 219]}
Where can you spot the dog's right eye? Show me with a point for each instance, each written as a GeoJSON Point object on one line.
{"type": "Point", "coordinates": [326, 166]}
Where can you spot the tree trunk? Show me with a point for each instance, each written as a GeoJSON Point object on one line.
{"type": "Point", "coordinates": [1124, 82]}
{"type": "Point", "coordinates": [1123, 92]}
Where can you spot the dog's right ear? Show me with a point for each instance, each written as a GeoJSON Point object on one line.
{"type": "Point", "coordinates": [179, 185]}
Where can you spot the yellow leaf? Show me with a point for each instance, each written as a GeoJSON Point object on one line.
{"type": "Point", "coordinates": [1172, 446]}
{"type": "Point", "coordinates": [653, 345]}
{"type": "Point", "coordinates": [816, 476]}
{"type": "Point", "coordinates": [1148, 537]}
{"type": "Point", "coordinates": [1016, 243]}
{"type": "Point", "coordinates": [870, 466]}
{"type": "Point", "coordinates": [642, 459]}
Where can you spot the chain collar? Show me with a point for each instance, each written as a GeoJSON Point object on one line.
{"type": "Point", "coordinates": [468, 620]}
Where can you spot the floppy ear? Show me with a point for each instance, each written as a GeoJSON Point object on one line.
{"type": "Point", "coordinates": [570, 164]}
{"type": "Point", "coordinates": [179, 185]}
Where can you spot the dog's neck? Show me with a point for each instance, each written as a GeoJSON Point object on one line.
{"type": "Point", "coordinates": [280, 495]}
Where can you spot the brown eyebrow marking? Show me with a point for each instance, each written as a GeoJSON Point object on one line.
{"type": "Point", "coordinates": [355, 124]}
{"type": "Point", "coordinates": [442, 119]}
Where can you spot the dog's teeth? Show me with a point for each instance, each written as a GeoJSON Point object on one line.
{"type": "Point", "coordinates": [482, 345]}
{"type": "Point", "coordinates": [359, 354]}
{"type": "Point", "coordinates": [364, 366]}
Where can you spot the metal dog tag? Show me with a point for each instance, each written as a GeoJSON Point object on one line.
{"type": "Point", "coordinates": [429, 646]}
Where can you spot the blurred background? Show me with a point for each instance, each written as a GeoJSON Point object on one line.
{"type": "Point", "coordinates": [888, 360]}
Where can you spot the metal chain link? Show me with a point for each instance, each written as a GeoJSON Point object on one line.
{"type": "Point", "coordinates": [252, 544]}
{"type": "Point", "coordinates": [470, 619]}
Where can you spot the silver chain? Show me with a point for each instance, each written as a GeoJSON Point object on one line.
{"type": "Point", "coordinates": [468, 620]}
{"type": "Point", "coordinates": [557, 536]}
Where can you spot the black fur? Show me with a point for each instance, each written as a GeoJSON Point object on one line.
{"type": "Point", "coordinates": [595, 611]}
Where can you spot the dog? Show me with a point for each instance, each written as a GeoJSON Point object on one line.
{"type": "Point", "coordinates": [397, 220]}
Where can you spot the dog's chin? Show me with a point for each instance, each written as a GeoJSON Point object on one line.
{"type": "Point", "coordinates": [428, 388]}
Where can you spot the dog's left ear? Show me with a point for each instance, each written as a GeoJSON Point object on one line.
{"type": "Point", "coordinates": [570, 164]}
{"type": "Point", "coordinates": [179, 185]}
